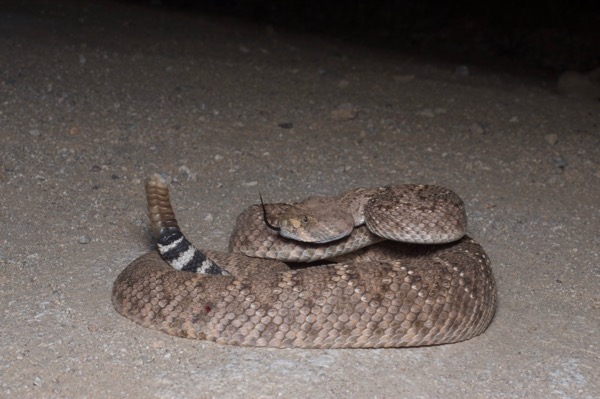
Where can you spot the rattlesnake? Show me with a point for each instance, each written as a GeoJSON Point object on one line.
{"type": "Point", "coordinates": [380, 293]}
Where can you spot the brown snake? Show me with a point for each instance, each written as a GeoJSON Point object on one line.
{"type": "Point", "coordinates": [388, 294]}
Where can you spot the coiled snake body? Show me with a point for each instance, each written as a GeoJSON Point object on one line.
{"type": "Point", "coordinates": [380, 293]}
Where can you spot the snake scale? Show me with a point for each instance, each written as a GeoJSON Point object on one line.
{"type": "Point", "coordinates": [370, 292]}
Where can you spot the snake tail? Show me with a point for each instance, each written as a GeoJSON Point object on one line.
{"type": "Point", "coordinates": [172, 245]}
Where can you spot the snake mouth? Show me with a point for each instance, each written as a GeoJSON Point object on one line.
{"type": "Point", "coordinates": [304, 236]}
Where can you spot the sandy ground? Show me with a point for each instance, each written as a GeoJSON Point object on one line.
{"type": "Point", "coordinates": [95, 98]}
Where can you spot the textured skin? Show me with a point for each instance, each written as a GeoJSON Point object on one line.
{"type": "Point", "coordinates": [252, 237]}
{"type": "Point", "coordinates": [413, 213]}
{"type": "Point", "coordinates": [406, 213]}
{"type": "Point", "coordinates": [386, 295]}
{"type": "Point", "coordinates": [424, 214]}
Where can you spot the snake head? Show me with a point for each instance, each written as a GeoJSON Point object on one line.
{"type": "Point", "coordinates": [309, 222]}
{"type": "Point", "coordinates": [300, 225]}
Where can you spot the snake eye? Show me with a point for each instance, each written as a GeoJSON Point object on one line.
{"type": "Point", "coordinates": [304, 220]}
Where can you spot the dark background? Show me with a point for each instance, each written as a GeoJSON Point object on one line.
{"type": "Point", "coordinates": [553, 35]}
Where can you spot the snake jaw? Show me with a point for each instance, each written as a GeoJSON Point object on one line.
{"type": "Point", "coordinates": [301, 228]}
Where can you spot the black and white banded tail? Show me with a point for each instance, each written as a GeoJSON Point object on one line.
{"type": "Point", "coordinates": [174, 248]}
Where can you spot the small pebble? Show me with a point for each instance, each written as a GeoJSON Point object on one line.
{"type": "Point", "coordinates": [286, 125]}
{"type": "Point", "coordinates": [158, 344]}
{"type": "Point", "coordinates": [209, 217]}
{"type": "Point", "coordinates": [342, 169]}
{"type": "Point", "coordinates": [250, 183]}
{"type": "Point", "coordinates": [477, 128]}
{"type": "Point", "coordinates": [560, 162]}
{"type": "Point", "coordinates": [581, 85]}
{"type": "Point", "coordinates": [342, 84]}
{"type": "Point", "coordinates": [184, 169]}
{"type": "Point", "coordinates": [218, 157]}
{"type": "Point", "coordinates": [427, 112]}
{"type": "Point", "coordinates": [403, 78]}
{"type": "Point", "coordinates": [462, 70]}
{"type": "Point", "coordinates": [35, 132]}
{"type": "Point", "coordinates": [551, 138]}
{"type": "Point", "coordinates": [430, 113]}
{"type": "Point", "coordinates": [344, 112]}
{"type": "Point", "coordinates": [84, 239]}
